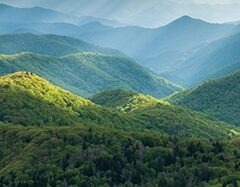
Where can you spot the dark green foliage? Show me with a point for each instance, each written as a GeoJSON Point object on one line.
{"type": "Point", "coordinates": [218, 98]}
{"type": "Point", "coordinates": [87, 73]}
{"type": "Point", "coordinates": [75, 156]}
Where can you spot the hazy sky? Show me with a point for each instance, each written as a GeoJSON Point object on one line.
{"type": "Point", "coordinates": [148, 13]}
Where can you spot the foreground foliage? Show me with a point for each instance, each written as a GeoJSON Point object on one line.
{"type": "Point", "coordinates": [76, 156]}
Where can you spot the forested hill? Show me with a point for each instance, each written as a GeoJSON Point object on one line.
{"type": "Point", "coordinates": [160, 115]}
{"type": "Point", "coordinates": [218, 98]}
{"type": "Point", "coordinates": [30, 100]}
{"type": "Point", "coordinates": [87, 73]}
{"type": "Point", "coordinates": [27, 99]}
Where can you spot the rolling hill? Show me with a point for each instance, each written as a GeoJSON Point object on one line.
{"type": "Point", "coordinates": [65, 139]}
{"type": "Point", "coordinates": [159, 115]}
{"type": "Point", "coordinates": [30, 100]}
{"type": "Point", "coordinates": [123, 100]}
{"type": "Point", "coordinates": [217, 98]}
{"type": "Point", "coordinates": [87, 73]}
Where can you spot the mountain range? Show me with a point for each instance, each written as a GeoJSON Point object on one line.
{"type": "Point", "coordinates": [38, 14]}
{"type": "Point", "coordinates": [86, 101]}
{"type": "Point", "coordinates": [153, 48]}
{"type": "Point", "coordinates": [217, 58]}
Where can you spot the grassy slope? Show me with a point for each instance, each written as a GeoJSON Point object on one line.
{"type": "Point", "coordinates": [159, 115]}
{"type": "Point", "coordinates": [87, 73]}
{"type": "Point", "coordinates": [218, 98]}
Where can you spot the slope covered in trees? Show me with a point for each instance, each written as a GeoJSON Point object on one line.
{"type": "Point", "coordinates": [218, 98]}
{"type": "Point", "coordinates": [76, 156]}
{"type": "Point", "coordinates": [29, 100]}
{"type": "Point", "coordinates": [123, 100]}
{"type": "Point", "coordinates": [87, 73]}
{"type": "Point", "coordinates": [159, 115]}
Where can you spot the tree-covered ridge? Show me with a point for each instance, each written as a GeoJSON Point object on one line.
{"type": "Point", "coordinates": [87, 73]}
{"type": "Point", "coordinates": [218, 98]}
{"type": "Point", "coordinates": [159, 115]}
{"type": "Point", "coordinates": [77, 156]}
{"type": "Point", "coordinates": [48, 44]}
{"type": "Point", "coordinates": [124, 100]}
{"type": "Point", "coordinates": [27, 99]}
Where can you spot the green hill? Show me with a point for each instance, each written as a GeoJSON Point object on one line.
{"type": "Point", "coordinates": [218, 98]}
{"type": "Point", "coordinates": [123, 100]}
{"type": "Point", "coordinates": [161, 116]}
{"type": "Point", "coordinates": [87, 73]}
{"type": "Point", "coordinates": [27, 99]}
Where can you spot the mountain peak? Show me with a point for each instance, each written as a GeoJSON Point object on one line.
{"type": "Point", "coordinates": [186, 20]}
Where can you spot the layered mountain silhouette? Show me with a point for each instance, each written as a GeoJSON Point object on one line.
{"type": "Point", "coordinates": [212, 61]}
{"type": "Point", "coordinates": [38, 14]}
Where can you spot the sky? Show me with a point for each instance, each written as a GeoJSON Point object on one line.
{"type": "Point", "coordinates": [146, 13]}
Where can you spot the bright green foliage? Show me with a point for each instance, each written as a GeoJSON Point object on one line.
{"type": "Point", "coordinates": [218, 98]}
{"type": "Point", "coordinates": [159, 115]}
{"type": "Point", "coordinates": [87, 73]}
{"type": "Point", "coordinates": [74, 156]}
{"type": "Point", "coordinates": [123, 100]}
{"type": "Point", "coordinates": [29, 100]}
